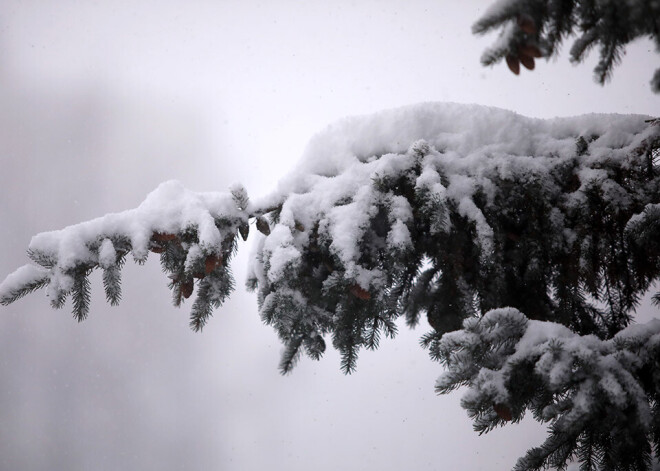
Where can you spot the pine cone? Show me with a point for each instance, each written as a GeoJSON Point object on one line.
{"type": "Point", "coordinates": [359, 292]}
{"type": "Point", "coordinates": [212, 262]}
{"type": "Point", "coordinates": [503, 412]}
{"type": "Point", "coordinates": [159, 240]}
{"type": "Point", "coordinates": [527, 61]}
{"type": "Point", "coordinates": [263, 226]}
{"type": "Point", "coordinates": [527, 24]}
{"type": "Point", "coordinates": [162, 237]}
{"type": "Point", "coordinates": [156, 248]}
{"type": "Point", "coordinates": [530, 51]}
{"type": "Point", "coordinates": [244, 231]}
{"type": "Point", "coordinates": [513, 63]}
{"type": "Point", "coordinates": [187, 288]}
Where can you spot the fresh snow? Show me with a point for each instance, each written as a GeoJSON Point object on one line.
{"type": "Point", "coordinates": [573, 367]}
{"type": "Point", "coordinates": [458, 147]}
{"type": "Point", "coordinates": [24, 276]}
{"type": "Point", "coordinates": [169, 209]}
{"type": "Point", "coordinates": [464, 142]}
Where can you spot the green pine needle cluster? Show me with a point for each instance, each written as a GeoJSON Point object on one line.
{"type": "Point", "coordinates": [537, 28]}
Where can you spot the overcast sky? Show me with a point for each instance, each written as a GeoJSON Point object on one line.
{"type": "Point", "coordinates": [102, 101]}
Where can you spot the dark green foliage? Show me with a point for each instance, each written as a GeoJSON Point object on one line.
{"type": "Point", "coordinates": [81, 294]}
{"type": "Point", "coordinates": [536, 28]}
{"type": "Point", "coordinates": [42, 259]}
{"type": "Point", "coordinates": [112, 281]}
{"type": "Point", "coordinates": [212, 290]}
{"type": "Point", "coordinates": [112, 284]}
{"type": "Point", "coordinates": [565, 246]}
{"type": "Point", "coordinates": [598, 396]}
{"type": "Point", "coordinates": [314, 296]}
{"type": "Point", "coordinates": [58, 300]}
{"type": "Point", "coordinates": [182, 257]}
{"type": "Point", "coordinates": [25, 289]}
{"type": "Point", "coordinates": [559, 245]}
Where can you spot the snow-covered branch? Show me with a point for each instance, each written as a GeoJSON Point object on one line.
{"type": "Point", "coordinates": [601, 397]}
{"type": "Point", "coordinates": [445, 209]}
{"type": "Point", "coordinates": [194, 234]}
{"type": "Point", "coordinates": [478, 218]}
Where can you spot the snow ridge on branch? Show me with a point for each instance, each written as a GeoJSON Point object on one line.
{"type": "Point", "coordinates": [194, 234]}
{"type": "Point", "coordinates": [599, 396]}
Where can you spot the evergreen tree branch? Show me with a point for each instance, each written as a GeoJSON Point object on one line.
{"type": "Point", "coordinates": [610, 407]}
{"type": "Point", "coordinates": [22, 282]}
{"type": "Point", "coordinates": [530, 29]}
{"type": "Point", "coordinates": [195, 242]}
{"type": "Point", "coordinates": [81, 294]}
{"type": "Point", "coordinates": [506, 240]}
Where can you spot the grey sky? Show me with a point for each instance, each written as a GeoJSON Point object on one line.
{"type": "Point", "coordinates": [101, 101]}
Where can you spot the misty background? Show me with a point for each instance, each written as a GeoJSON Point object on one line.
{"type": "Point", "coordinates": [102, 101]}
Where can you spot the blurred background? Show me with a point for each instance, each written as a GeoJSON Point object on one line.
{"type": "Point", "coordinates": [101, 101]}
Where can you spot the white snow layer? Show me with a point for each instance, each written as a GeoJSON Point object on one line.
{"type": "Point", "coordinates": [577, 368]}
{"type": "Point", "coordinates": [24, 276]}
{"type": "Point", "coordinates": [330, 187]}
{"type": "Point", "coordinates": [465, 143]}
{"type": "Point", "coordinates": [470, 132]}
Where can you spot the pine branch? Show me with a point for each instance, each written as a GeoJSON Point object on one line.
{"type": "Point", "coordinates": [112, 284]}
{"type": "Point", "coordinates": [592, 390]}
{"type": "Point", "coordinates": [314, 346]}
{"type": "Point", "coordinates": [40, 258]}
{"type": "Point", "coordinates": [610, 55]}
{"type": "Point", "coordinates": [81, 295]}
{"type": "Point", "coordinates": [499, 243]}
{"type": "Point", "coordinates": [22, 282]}
{"type": "Point", "coordinates": [349, 356]}
{"type": "Point", "coordinates": [201, 311]}
{"type": "Point", "coordinates": [58, 298]}
{"type": "Point", "coordinates": [290, 355]}
{"type": "Point", "coordinates": [544, 25]}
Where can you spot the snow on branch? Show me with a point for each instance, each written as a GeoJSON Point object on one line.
{"type": "Point", "coordinates": [451, 210]}
{"type": "Point", "coordinates": [194, 234]}
{"type": "Point", "coordinates": [526, 243]}
{"type": "Point", "coordinates": [437, 209]}
{"type": "Point", "coordinates": [599, 396]}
